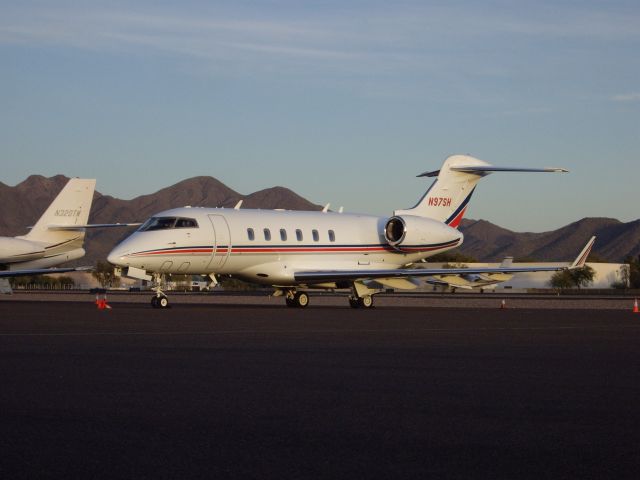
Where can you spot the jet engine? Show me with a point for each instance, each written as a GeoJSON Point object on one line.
{"type": "Point", "coordinates": [410, 233]}
{"type": "Point", "coordinates": [16, 249]}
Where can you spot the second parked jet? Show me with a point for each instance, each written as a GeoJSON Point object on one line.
{"type": "Point", "coordinates": [296, 251]}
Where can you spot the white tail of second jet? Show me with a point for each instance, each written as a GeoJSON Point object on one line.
{"type": "Point", "coordinates": [448, 197]}
{"type": "Point", "coordinates": [71, 207]}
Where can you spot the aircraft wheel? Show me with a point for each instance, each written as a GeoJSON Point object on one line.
{"type": "Point", "coordinates": [154, 302]}
{"type": "Point", "coordinates": [354, 302]}
{"type": "Point", "coordinates": [301, 299]}
{"type": "Point", "coordinates": [163, 302]}
{"type": "Point", "coordinates": [366, 301]}
{"type": "Point", "coordinates": [290, 302]}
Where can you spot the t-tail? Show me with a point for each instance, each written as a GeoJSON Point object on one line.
{"type": "Point", "coordinates": [70, 208]}
{"type": "Point", "coordinates": [448, 197]}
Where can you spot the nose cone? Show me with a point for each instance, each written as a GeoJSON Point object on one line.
{"type": "Point", "coordinates": [118, 256]}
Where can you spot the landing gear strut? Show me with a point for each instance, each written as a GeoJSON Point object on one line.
{"type": "Point", "coordinates": [160, 299]}
{"type": "Point", "coordinates": [362, 295]}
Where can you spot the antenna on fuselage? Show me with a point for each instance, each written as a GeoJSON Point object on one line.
{"type": "Point", "coordinates": [326, 208]}
{"type": "Point", "coordinates": [237, 207]}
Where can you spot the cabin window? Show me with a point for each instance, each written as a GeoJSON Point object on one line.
{"type": "Point", "coordinates": [283, 235]}
{"type": "Point", "coordinates": [314, 234]}
{"type": "Point", "coordinates": [250, 234]}
{"type": "Point", "coordinates": [332, 236]}
{"type": "Point", "coordinates": [267, 234]}
{"type": "Point", "coordinates": [299, 236]}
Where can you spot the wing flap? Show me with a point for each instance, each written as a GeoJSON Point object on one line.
{"type": "Point", "coordinates": [337, 275]}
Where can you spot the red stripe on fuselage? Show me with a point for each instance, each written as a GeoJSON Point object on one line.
{"type": "Point", "coordinates": [306, 249]}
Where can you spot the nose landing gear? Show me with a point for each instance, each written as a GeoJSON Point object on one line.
{"type": "Point", "coordinates": [160, 299]}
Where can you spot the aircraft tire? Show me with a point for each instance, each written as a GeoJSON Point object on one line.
{"type": "Point", "coordinates": [154, 302]}
{"type": "Point", "coordinates": [290, 302]}
{"type": "Point", "coordinates": [301, 299]}
{"type": "Point", "coordinates": [353, 302]}
{"type": "Point", "coordinates": [163, 302]}
{"type": "Point", "coordinates": [366, 301]}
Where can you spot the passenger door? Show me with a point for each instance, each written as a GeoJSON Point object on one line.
{"type": "Point", "coordinates": [221, 243]}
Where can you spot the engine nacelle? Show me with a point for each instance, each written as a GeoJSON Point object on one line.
{"type": "Point", "coordinates": [413, 234]}
{"type": "Point", "coordinates": [18, 250]}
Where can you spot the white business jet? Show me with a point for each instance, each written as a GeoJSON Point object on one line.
{"type": "Point", "coordinates": [56, 238]}
{"type": "Point", "coordinates": [298, 251]}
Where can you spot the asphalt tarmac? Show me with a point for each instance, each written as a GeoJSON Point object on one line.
{"type": "Point", "coordinates": [205, 391]}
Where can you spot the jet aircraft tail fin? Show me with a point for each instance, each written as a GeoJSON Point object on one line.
{"type": "Point", "coordinates": [71, 207]}
{"type": "Point", "coordinates": [448, 197]}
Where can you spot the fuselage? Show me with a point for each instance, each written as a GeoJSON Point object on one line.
{"type": "Point", "coordinates": [17, 253]}
{"type": "Point", "coordinates": [270, 246]}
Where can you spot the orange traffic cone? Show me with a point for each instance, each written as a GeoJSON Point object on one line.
{"type": "Point", "coordinates": [101, 302]}
{"type": "Point", "coordinates": [635, 306]}
{"type": "Point", "coordinates": [503, 304]}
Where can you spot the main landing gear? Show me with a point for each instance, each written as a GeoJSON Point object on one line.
{"type": "Point", "coordinates": [301, 300]}
{"type": "Point", "coordinates": [361, 302]}
{"type": "Point", "coordinates": [296, 299]}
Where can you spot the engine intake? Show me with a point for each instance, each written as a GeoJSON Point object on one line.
{"type": "Point", "coordinates": [413, 234]}
{"type": "Point", "coordinates": [395, 231]}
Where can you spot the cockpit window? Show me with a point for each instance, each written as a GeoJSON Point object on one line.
{"type": "Point", "coordinates": [165, 223]}
{"type": "Point", "coordinates": [186, 223]}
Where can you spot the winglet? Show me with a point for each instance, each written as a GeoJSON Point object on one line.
{"type": "Point", "coordinates": [582, 257]}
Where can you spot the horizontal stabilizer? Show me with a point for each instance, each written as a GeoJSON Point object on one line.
{"type": "Point", "coordinates": [93, 225]}
{"type": "Point", "coordinates": [486, 169]}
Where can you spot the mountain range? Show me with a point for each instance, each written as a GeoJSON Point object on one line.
{"type": "Point", "coordinates": [22, 205]}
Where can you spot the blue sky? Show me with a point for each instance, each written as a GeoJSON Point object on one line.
{"type": "Point", "coordinates": [341, 101]}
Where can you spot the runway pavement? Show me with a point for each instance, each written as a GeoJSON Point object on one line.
{"type": "Point", "coordinates": [260, 391]}
{"type": "Point", "coordinates": [340, 299]}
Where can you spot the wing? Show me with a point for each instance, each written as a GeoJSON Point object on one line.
{"type": "Point", "coordinates": [345, 275]}
{"type": "Point", "coordinates": [337, 275]}
{"type": "Point", "coordinates": [41, 271]}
